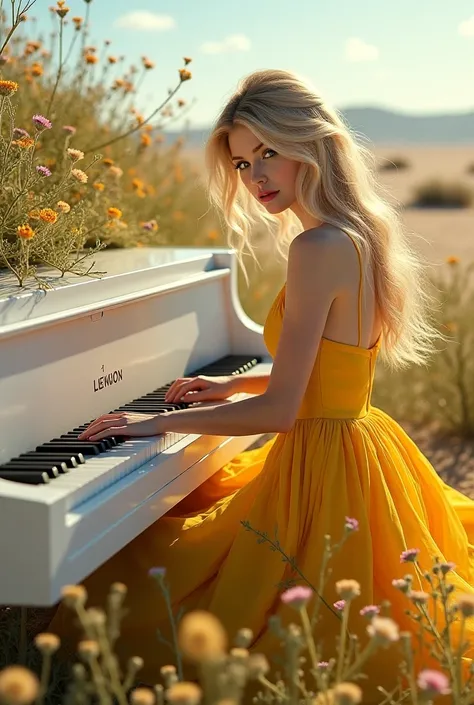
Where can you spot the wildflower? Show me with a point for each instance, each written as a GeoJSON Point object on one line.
{"type": "Point", "coordinates": [185, 75]}
{"type": "Point", "coordinates": [339, 605]}
{"type": "Point", "coordinates": [25, 231]}
{"type": "Point", "coordinates": [401, 584]}
{"type": "Point", "coordinates": [107, 161]}
{"type": "Point", "coordinates": [98, 186]}
{"type": "Point", "coordinates": [8, 88]}
{"type": "Point", "coordinates": [181, 103]}
{"type": "Point", "coordinates": [80, 175]}
{"type": "Point", "coordinates": [433, 683]}
{"type": "Point", "coordinates": [18, 685]}
{"type": "Point", "coordinates": [384, 630]}
{"type": "Point", "coordinates": [201, 636]}
{"type": "Point", "coordinates": [150, 225]}
{"type": "Point", "coordinates": [452, 260]}
{"type": "Point", "coordinates": [47, 215]}
{"type": "Point", "coordinates": [96, 617]}
{"type": "Point", "coordinates": [323, 665]}
{"type": "Point", "coordinates": [34, 214]}
{"type": "Point", "coordinates": [466, 604]}
{"type": "Point", "coordinates": [74, 595]}
{"type": "Point", "coordinates": [116, 171]}
{"type": "Point", "coordinates": [168, 673]}
{"type": "Point", "coordinates": [37, 69]}
{"type": "Point", "coordinates": [19, 131]}
{"type": "Point", "coordinates": [4, 59]}
{"type": "Point", "coordinates": [347, 694]}
{"type": "Point", "coordinates": [297, 596]}
{"type": "Point", "coordinates": [369, 611]}
{"type": "Point", "coordinates": [75, 154]}
{"type": "Point", "coordinates": [257, 665]}
{"type": "Point", "coordinates": [42, 122]}
{"type": "Point", "coordinates": [112, 59]}
{"type": "Point", "coordinates": [446, 567]}
{"type": "Point", "coordinates": [47, 643]}
{"type": "Point", "coordinates": [410, 555]}
{"type": "Point", "coordinates": [157, 572]}
{"type": "Point", "coordinates": [69, 128]}
{"type": "Point", "coordinates": [142, 696]}
{"type": "Point", "coordinates": [348, 589]}
{"type": "Point", "coordinates": [61, 10]}
{"type": "Point", "coordinates": [88, 649]}
{"type": "Point", "coordinates": [91, 59]}
{"type": "Point", "coordinates": [77, 21]}
{"type": "Point", "coordinates": [419, 597]}
{"type": "Point", "coordinates": [43, 170]}
{"type": "Point", "coordinates": [147, 63]}
{"type": "Point", "coordinates": [63, 206]}
{"type": "Point", "coordinates": [137, 183]}
{"type": "Point", "coordinates": [351, 524]}
{"type": "Point", "coordinates": [24, 143]}
{"type": "Point", "coordinates": [187, 60]}
{"type": "Point", "coordinates": [184, 693]}
{"type": "Point", "coordinates": [114, 212]}
{"type": "Point", "coordinates": [244, 637]}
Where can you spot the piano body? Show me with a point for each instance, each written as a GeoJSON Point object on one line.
{"type": "Point", "coordinates": [86, 348]}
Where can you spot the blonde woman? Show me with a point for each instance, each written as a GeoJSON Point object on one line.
{"type": "Point", "coordinates": [278, 154]}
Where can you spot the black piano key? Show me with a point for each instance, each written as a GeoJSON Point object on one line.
{"type": "Point", "coordinates": [109, 442]}
{"type": "Point", "coordinates": [35, 477]}
{"type": "Point", "coordinates": [50, 469]}
{"type": "Point", "coordinates": [40, 459]}
{"type": "Point", "coordinates": [72, 460]}
{"type": "Point", "coordinates": [84, 447]}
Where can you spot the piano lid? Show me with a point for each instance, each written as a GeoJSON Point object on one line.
{"type": "Point", "coordinates": [126, 272]}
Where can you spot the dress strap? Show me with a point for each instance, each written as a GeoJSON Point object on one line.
{"type": "Point", "coordinates": [359, 313]}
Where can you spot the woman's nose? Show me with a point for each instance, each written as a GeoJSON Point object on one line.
{"type": "Point", "coordinates": [257, 177]}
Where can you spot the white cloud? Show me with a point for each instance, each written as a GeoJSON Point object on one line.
{"type": "Point", "coordinates": [235, 42]}
{"type": "Point", "coordinates": [357, 50]}
{"type": "Point", "coordinates": [143, 20]}
{"type": "Point", "coordinates": [466, 28]}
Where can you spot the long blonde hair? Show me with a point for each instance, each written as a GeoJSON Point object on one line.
{"type": "Point", "coordinates": [335, 184]}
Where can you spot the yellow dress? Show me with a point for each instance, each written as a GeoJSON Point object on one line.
{"type": "Point", "coordinates": [342, 458]}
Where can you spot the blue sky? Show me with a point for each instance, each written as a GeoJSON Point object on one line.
{"type": "Point", "coordinates": [414, 56]}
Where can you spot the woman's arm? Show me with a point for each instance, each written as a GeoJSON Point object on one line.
{"type": "Point", "coordinates": [250, 384]}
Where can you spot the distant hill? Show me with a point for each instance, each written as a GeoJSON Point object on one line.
{"type": "Point", "coordinates": [386, 126]}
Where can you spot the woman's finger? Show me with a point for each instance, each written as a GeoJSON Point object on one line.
{"type": "Point", "coordinates": [185, 388]}
{"type": "Point", "coordinates": [101, 424]}
{"type": "Point", "coordinates": [107, 432]}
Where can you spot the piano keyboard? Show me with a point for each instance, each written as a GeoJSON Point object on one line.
{"type": "Point", "coordinates": [66, 455]}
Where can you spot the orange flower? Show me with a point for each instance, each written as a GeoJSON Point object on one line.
{"type": "Point", "coordinates": [8, 87]}
{"type": "Point", "coordinates": [107, 161]}
{"type": "Point", "coordinates": [98, 185]}
{"type": "Point", "coordinates": [47, 215]}
{"type": "Point", "coordinates": [114, 212]}
{"type": "Point", "coordinates": [147, 63]}
{"type": "Point", "coordinates": [24, 142]}
{"type": "Point", "coordinates": [137, 183]}
{"type": "Point", "coordinates": [212, 235]}
{"type": "Point", "coordinates": [25, 231]}
{"type": "Point", "coordinates": [187, 60]}
{"type": "Point", "coordinates": [37, 69]}
{"type": "Point", "coordinates": [91, 59]}
{"type": "Point", "coordinates": [112, 59]}
{"type": "Point", "coordinates": [185, 75]}
{"type": "Point", "coordinates": [140, 193]}
{"type": "Point", "coordinates": [145, 139]}
{"type": "Point", "coordinates": [452, 260]}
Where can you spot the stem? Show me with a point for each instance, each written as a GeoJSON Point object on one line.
{"type": "Point", "coordinates": [309, 636]}
{"type": "Point", "coordinates": [45, 674]}
{"type": "Point", "coordinates": [342, 645]}
{"type": "Point", "coordinates": [60, 68]}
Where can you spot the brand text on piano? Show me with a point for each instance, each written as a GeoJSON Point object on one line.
{"type": "Point", "coordinates": [107, 380]}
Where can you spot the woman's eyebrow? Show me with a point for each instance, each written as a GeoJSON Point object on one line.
{"type": "Point", "coordinates": [253, 150]}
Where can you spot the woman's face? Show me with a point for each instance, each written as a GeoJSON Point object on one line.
{"type": "Point", "coordinates": [262, 170]}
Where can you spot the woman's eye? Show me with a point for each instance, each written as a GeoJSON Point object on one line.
{"type": "Point", "coordinates": [237, 166]}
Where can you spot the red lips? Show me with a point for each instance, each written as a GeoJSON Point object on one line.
{"type": "Point", "coordinates": [265, 193]}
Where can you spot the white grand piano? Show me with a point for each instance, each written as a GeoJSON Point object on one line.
{"type": "Point", "coordinates": [87, 347]}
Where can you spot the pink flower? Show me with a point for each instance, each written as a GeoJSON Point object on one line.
{"type": "Point", "coordinates": [43, 170]}
{"type": "Point", "coordinates": [69, 128]}
{"type": "Point", "coordinates": [42, 122]}
{"type": "Point", "coordinates": [339, 605]}
{"type": "Point", "coordinates": [433, 683]}
{"type": "Point", "coordinates": [351, 524]}
{"type": "Point", "coordinates": [322, 665]}
{"type": "Point", "coordinates": [410, 555]}
{"type": "Point", "coordinates": [297, 596]}
{"type": "Point", "coordinates": [369, 611]}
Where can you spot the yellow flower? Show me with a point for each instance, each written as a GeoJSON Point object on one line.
{"type": "Point", "coordinates": [24, 142]}
{"type": "Point", "coordinates": [36, 69]}
{"type": "Point", "coordinates": [201, 636]}
{"type": "Point", "coordinates": [185, 75]}
{"type": "Point", "coordinates": [74, 595]}
{"type": "Point", "coordinates": [47, 215]}
{"type": "Point", "coordinates": [114, 212]}
{"type": "Point", "coordinates": [63, 206]}
{"type": "Point", "coordinates": [25, 231]}
{"type": "Point", "coordinates": [452, 260]}
{"type": "Point", "coordinates": [47, 643]}
{"type": "Point", "coordinates": [137, 183]}
{"type": "Point", "coordinates": [140, 193]}
{"type": "Point", "coordinates": [8, 87]}
{"type": "Point", "coordinates": [347, 694]}
{"type": "Point", "coordinates": [80, 175]}
{"type": "Point", "coordinates": [184, 693]}
{"type": "Point", "coordinates": [88, 648]}
{"type": "Point", "coordinates": [34, 214]}
{"type": "Point", "coordinates": [98, 185]}
{"type": "Point", "coordinates": [18, 685]}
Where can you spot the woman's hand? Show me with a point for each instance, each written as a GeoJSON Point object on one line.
{"type": "Point", "coordinates": [201, 388]}
{"type": "Point", "coordinates": [123, 424]}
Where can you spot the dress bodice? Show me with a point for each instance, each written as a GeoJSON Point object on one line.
{"type": "Point", "coordinates": [340, 384]}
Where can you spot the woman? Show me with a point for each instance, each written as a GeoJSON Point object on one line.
{"type": "Point", "coordinates": [354, 289]}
